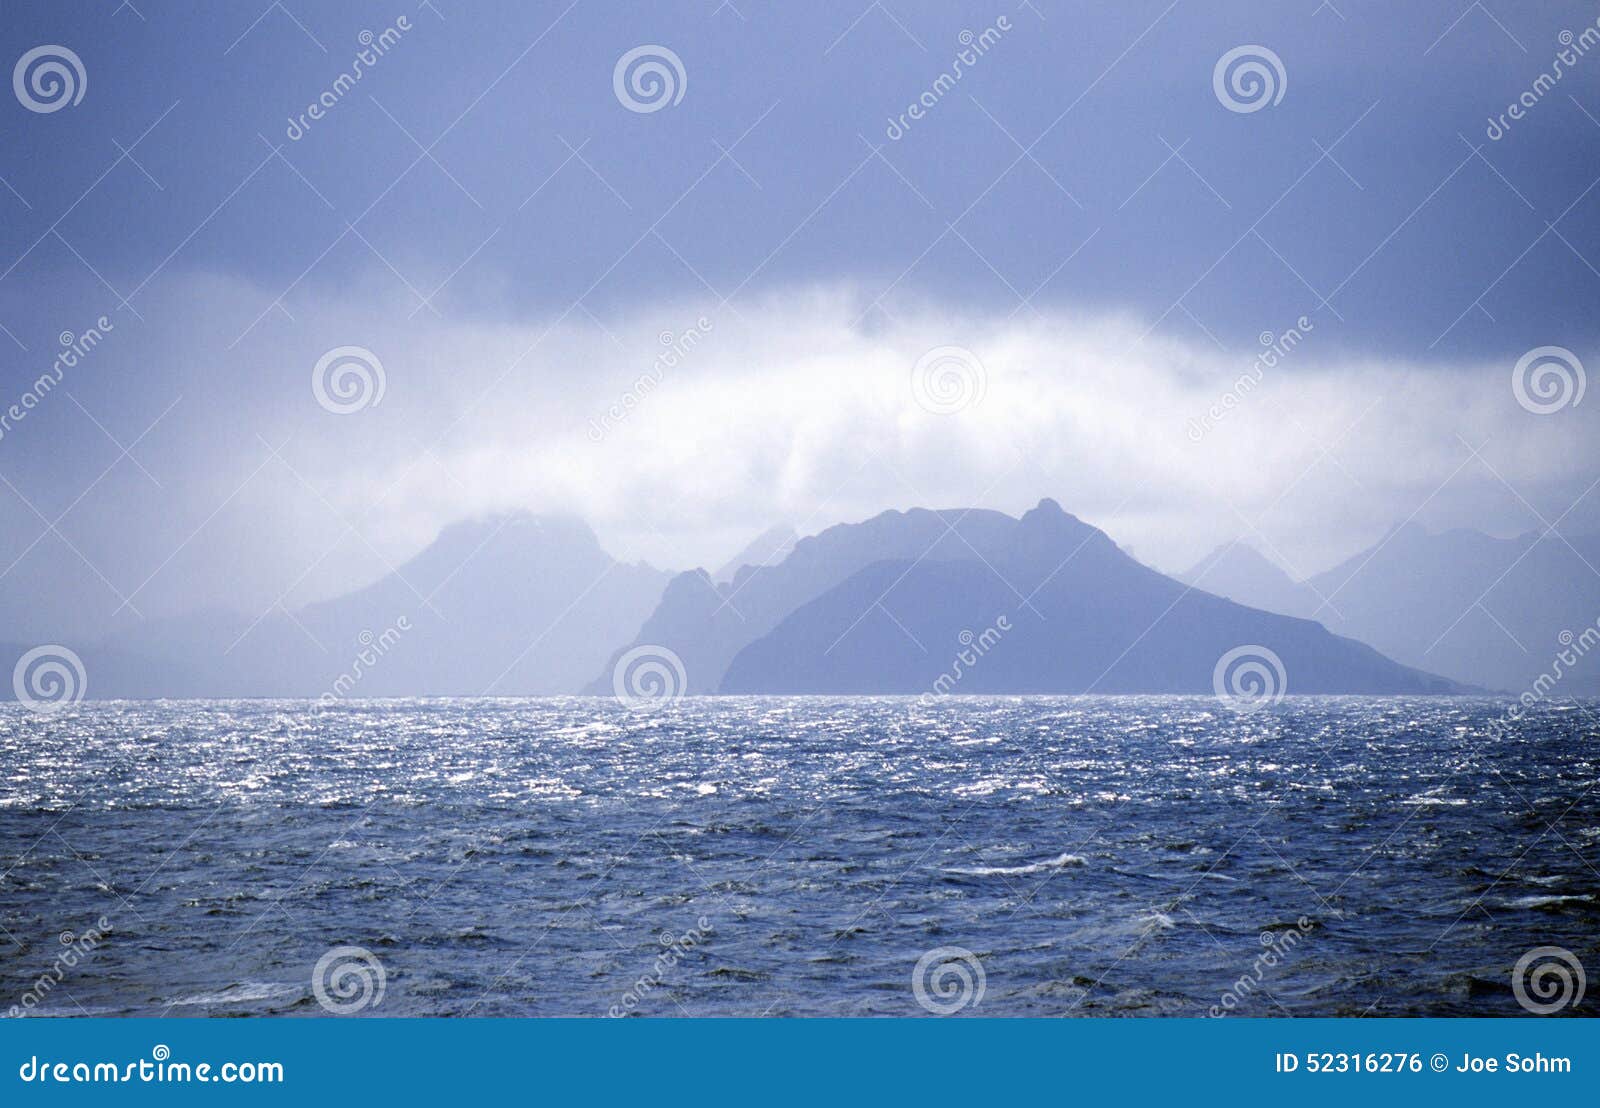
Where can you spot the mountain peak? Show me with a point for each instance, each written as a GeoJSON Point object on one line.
{"type": "Point", "coordinates": [519, 522]}
{"type": "Point", "coordinates": [768, 548]}
{"type": "Point", "coordinates": [1048, 522]}
{"type": "Point", "coordinates": [1232, 558]}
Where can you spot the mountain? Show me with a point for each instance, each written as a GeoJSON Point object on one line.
{"type": "Point", "coordinates": [525, 605]}
{"type": "Point", "coordinates": [1484, 610]}
{"type": "Point", "coordinates": [768, 548]}
{"type": "Point", "coordinates": [705, 624]}
{"type": "Point", "coordinates": [1044, 604]}
{"type": "Point", "coordinates": [1240, 572]}
{"type": "Point", "coordinates": [511, 605]}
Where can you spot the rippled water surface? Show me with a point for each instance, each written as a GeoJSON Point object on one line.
{"type": "Point", "coordinates": [1108, 856]}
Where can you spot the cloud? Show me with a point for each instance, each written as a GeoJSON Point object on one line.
{"type": "Point", "coordinates": [687, 427]}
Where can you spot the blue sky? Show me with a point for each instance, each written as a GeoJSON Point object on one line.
{"type": "Point", "coordinates": [482, 212]}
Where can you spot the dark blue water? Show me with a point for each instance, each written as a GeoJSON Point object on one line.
{"type": "Point", "coordinates": [1101, 856]}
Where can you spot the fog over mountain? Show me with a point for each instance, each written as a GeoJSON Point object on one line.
{"type": "Point", "coordinates": [768, 548]}
{"type": "Point", "coordinates": [518, 604]}
{"type": "Point", "coordinates": [507, 605]}
{"type": "Point", "coordinates": [1240, 572]}
{"type": "Point", "coordinates": [1488, 611]}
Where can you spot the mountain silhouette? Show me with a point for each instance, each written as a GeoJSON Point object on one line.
{"type": "Point", "coordinates": [887, 605]}
{"type": "Point", "coordinates": [1056, 608]}
{"type": "Point", "coordinates": [706, 624]}
{"type": "Point", "coordinates": [510, 605]}
{"type": "Point", "coordinates": [1485, 610]}
{"type": "Point", "coordinates": [1240, 572]}
{"type": "Point", "coordinates": [768, 548]}
{"type": "Point", "coordinates": [527, 605]}
{"type": "Point", "coordinates": [1490, 612]}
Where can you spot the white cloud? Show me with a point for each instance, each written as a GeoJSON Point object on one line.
{"type": "Point", "coordinates": [794, 410]}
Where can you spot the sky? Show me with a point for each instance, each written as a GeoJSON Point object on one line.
{"type": "Point", "coordinates": [1044, 281]}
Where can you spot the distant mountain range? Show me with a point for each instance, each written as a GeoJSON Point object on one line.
{"type": "Point", "coordinates": [979, 602]}
{"type": "Point", "coordinates": [513, 605]}
{"type": "Point", "coordinates": [912, 602]}
{"type": "Point", "coordinates": [1487, 611]}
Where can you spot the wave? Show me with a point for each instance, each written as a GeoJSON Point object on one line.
{"type": "Point", "coordinates": [1060, 861]}
{"type": "Point", "coordinates": [244, 993]}
{"type": "Point", "coordinates": [1548, 901]}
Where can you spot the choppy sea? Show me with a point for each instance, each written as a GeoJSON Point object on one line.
{"type": "Point", "coordinates": [1118, 856]}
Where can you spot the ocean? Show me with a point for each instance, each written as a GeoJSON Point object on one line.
{"type": "Point", "coordinates": [1016, 856]}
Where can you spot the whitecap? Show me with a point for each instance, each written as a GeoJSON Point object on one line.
{"type": "Point", "coordinates": [244, 993]}
{"type": "Point", "coordinates": [1061, 861]}
{"type": "Point", "coordinates": [1548, 901]}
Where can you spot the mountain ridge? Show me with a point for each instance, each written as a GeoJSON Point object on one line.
{"type": "Point", "coordinates": [1079, 615]}
{"type": "Point", "coordinates": [1487, 611]}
